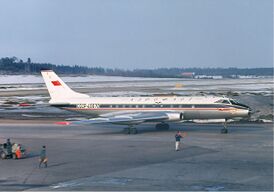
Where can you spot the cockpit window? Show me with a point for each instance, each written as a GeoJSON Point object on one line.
{"type": "Point", "coordinates": [225, 101]}
{"type": "Point", "coordinates": [233, 102]}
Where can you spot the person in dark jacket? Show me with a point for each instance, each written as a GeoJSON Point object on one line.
{"type": "Point", "coordinates": [9, 148]}
{"type": "Point", "coordinates": [43, 157]}
{"type": "Point", "coordinates": [178, 137]}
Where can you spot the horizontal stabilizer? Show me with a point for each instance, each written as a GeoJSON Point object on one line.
{"type": "Point", "coordinates": [63, 123]}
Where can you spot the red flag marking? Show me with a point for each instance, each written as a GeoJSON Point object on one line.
{"type": "Point", "coordinates": [56, 83]}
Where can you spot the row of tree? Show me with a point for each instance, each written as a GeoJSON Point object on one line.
{"type": "Point", "coordinates": [13, 65]}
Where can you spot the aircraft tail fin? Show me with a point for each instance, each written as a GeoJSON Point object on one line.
{"type": "Point", "coordinates": [58, 90]}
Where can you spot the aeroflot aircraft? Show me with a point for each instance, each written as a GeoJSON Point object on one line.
{"type": "Point", "coordinates": [135, 110]}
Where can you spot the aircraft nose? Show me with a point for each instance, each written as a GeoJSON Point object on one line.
{"type": "Point", "coordinates": [250, 111]}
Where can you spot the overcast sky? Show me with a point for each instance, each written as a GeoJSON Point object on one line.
{"type": "Point", "coordinates": [139, 33]}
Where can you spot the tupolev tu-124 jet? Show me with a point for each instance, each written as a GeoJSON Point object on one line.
{"type": "Point", "coordinates": [132, 111]}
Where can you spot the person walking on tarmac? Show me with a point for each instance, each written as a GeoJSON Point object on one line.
{"type": "Point", "coordinates": [178, 137]}
{"type": "Point", "coordinates": [43, 157]}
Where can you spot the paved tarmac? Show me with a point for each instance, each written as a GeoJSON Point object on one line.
{"type": "Point", "coordinates": [103, 158]}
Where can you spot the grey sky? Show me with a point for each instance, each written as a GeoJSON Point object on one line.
{"type": "Point", "coordinates": [139, 33]}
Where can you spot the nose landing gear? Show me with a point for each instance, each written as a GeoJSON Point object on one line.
{"type": "Point", "coordinates": [224, 130]}
{"type": "Point", "coordinates": [130, 130]}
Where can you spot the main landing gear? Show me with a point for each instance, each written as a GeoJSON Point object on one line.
{"type": "Point", "coordinates": [162, 126]}
{"type": "Point", "coordinates": [224, 130]}
{"type": "Point", "coordinates": [130, 130]}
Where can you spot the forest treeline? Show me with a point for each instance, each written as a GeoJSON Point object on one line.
{"type": "Point", "coordinates": [13, 65]}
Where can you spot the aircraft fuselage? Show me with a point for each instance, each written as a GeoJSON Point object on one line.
{"type": "Point", "coordinates": [188, 107]}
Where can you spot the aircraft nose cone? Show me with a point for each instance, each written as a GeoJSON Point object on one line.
{"type": "Point", "coordinates": [250, 111]}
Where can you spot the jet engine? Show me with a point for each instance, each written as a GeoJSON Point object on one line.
{"type": "Point", "coordinates": [175, 116]}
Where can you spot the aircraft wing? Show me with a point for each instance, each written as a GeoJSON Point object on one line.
{"type": "Point", "coordinates": [126, 119]}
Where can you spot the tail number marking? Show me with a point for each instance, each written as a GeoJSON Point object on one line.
{"type": "Point", "coordinates": [86, 106]}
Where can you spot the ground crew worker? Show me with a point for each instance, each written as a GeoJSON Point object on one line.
{"type": "Point", "coordinates": [18, 152]}
{"type": "Point", "coordinates": [9, 148]}
{"type": "Point", "coordinates": [178, 137]}
{"type": "Point", "coordinates": [14, 148]}
{"type": "Point", "coordinates": [43, 157]}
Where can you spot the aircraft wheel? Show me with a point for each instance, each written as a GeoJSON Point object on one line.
{"type": "Point", "coordinates": [127, 130]}
{"type": "Point", "coordinates": [224, 131]}
{"type": "Point", "coordinates": [3, 155]}
{"type": "Point", "coordinates": [162, 126]}
{"type": "Point", "coordinates": [133, 131]}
